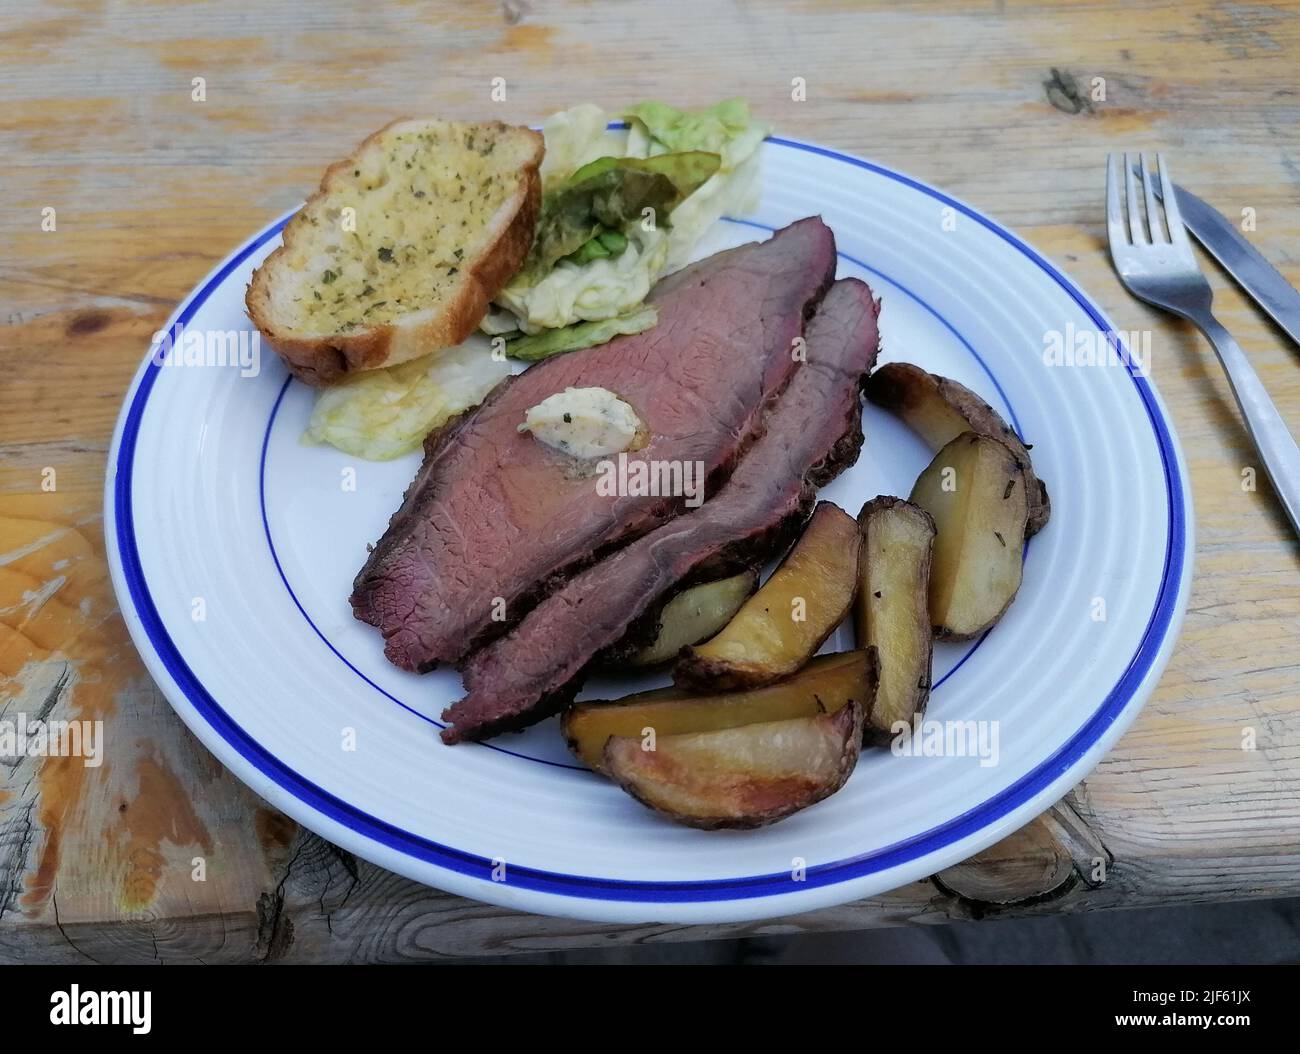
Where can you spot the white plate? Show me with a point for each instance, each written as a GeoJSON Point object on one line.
{"type": "Point", "coordinates": [214, 509]}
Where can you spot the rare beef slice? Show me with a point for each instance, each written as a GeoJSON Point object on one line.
{"type": "Point", "coordinates": [495, 520]}
{"type": "Point", "coordinates": [812, 433]}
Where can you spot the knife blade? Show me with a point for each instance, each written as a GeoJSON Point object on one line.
{"type": "Point", "coordinates": [1243, 261]}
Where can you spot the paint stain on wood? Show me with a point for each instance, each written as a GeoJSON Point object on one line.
{"type": "Point", "coordinates": [40, 884]}
{"type": "Point", "coordinates": [1118, 120]}
{"type": "Point", "coordinates": [199, 53]}
{"type": "Point", "coordinates": [37, 41]}
{"type": "Point", "coordinates": [160, 812]}
{"type": "Point", "coordinates": [883, 97]}
{"type": "Point", "coordinates": [120, 839]}
{"type": "Point", "coordinates": [62, 794]}
{"type": "Point", "coordinates": [88, 322]}
{"type": "Point", "coordinates": [44, 537]}
{"type": "Point", "coordinates": [274, 829]}
{"type": "Point", "coordinates": [533, 40]}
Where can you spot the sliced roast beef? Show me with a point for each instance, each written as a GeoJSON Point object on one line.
{"type": "Point", "coordinates": [812, 433]}
{"type": "Point", "coordinates": [495, 519]}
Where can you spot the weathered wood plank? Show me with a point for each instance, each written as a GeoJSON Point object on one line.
{"type": "Point", "coordinates": [992, 102]}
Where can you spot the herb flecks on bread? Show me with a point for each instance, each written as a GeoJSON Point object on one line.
{"type": "Point", "coordinates": [402, 249]}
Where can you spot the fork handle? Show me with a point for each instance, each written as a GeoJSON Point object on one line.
{"type": "Point", "coordinates": [1272, 439]}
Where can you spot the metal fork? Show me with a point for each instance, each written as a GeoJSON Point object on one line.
{"type": "Point", "coordinates": [1159, 267]}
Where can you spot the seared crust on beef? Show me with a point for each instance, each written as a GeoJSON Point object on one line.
{"type": "Point", "coordinates": [493, 513]}
{"type": "Point", "coordinates": [812, 432]}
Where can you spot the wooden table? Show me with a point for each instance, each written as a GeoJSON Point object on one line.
{"type": "Point", "coordinates": [993, 102]}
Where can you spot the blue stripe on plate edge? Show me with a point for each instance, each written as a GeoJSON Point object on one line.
{"type": "Point", "coordinates": [405, 842]}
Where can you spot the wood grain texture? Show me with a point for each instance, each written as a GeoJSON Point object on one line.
{"type": "Point", "coordinates": [989, 100]}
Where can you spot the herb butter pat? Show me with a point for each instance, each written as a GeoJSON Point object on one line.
{"type": "Point", "coordinates": [584, 422]}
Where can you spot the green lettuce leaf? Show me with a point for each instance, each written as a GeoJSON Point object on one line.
{"type": "Point", "coordinates": [574, 137]}
{"type": "Point", "coordinates": [576, 213]}
{"type": "Point", "coordinates": [598, 289]}
{"type": "Point", "coordinates": [593, 285]}
{"type": "Point", "coordinates": [726, 129]}
{"type": "Point", "coordinates": [711, 129]}
{"type": "Point", "coordinates": [580, 335]}
{"type": "Point", "coordinates": [383, 414]}
{"type": "Point", "coordinates": [687, 169]}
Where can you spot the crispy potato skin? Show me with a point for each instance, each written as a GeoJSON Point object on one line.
{"type": "Point", "coordinates": [696, 673]}
{"type": "Point", "coordinates": [825, 685]}
{"type": "Point", "coordinates": [740, 778]}
{"type": "Point", "coordinates": [939, 409]}
{"type": "Point", "coordinates": [980, 512]}
{"type": "Point", "coordinates": [764, 642]}
{"type": "Point", "coordinates": [892, 609]}
{"type": "Point", "coordinates": [695, 614]}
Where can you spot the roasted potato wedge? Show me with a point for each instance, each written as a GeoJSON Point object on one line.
{"type": "Point", "coordinates": [823, 686]}
{"type": "Point", "coordinates": [939, 410]}
{"type": "Point", "coordinates": [892, 614]}
{"type": "Point", "coordinates": [742, 777]}
{"type": "Point", "coordinates": [975, 490]}
{"type": "Point", "coordinates": [694, 615]}
{"type": "Point", "coordinates": [781, 626]}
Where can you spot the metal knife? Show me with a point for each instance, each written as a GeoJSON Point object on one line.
{"type": "Point", "coordinates": [1242, 260]}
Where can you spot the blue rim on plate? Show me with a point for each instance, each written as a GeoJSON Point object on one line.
{"type": "Point", "coordinates": [936, 839]}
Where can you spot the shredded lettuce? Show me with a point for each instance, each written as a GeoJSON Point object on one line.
{"type": "Point", "coordinates": [383, 414]}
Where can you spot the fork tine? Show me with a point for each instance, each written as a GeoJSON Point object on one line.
{"type": "Point", "coordinates": [1153, 210]}
{"type": "Point", "coordinates": [1173, 218]}
{"type": "Point", "coordinates": [1136, 228]}
{"type": "Point", "coordinates": [1114, 205]}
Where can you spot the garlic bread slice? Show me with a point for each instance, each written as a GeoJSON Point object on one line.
{"type": "Point", "coordinates": [402, 249]}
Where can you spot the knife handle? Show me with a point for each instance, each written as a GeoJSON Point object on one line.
{"type": "Point", "coordinates": [1272, 439]}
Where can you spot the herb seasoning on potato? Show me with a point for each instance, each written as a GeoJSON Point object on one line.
{"type": "Point", "coordinates": [892, 613]}
{"type": "Point", "coordinates": [975, 490]}
{"type": "Point", "coordinates": [939, 409]}
{"type": "Point", "coordinates": [782, 625]}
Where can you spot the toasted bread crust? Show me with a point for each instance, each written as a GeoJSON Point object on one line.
{"type": "Point", "coordinates": [324, 360]}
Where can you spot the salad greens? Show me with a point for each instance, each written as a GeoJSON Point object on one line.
{"type": "Point", "coordinates": [383, 414]}
{"type": "Point", "coordinates": [576, 214]}
{"type": "Point", "coordinates": [550, 342]}
{"type": "Point", "coordinates": [713, 129]}
{"type": "Point", "coordinates": [679, 144]}
{"type": "Point", "coordinates": [687, 170]}
{"type": "Point", "coordinates": [605, 244]}
{"type": "Point", "coordinates": [582, 218]}
{"type": "Point", "coordinates": [596, 256]}
{"type": "Point", "coordinates": [575, 137]}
